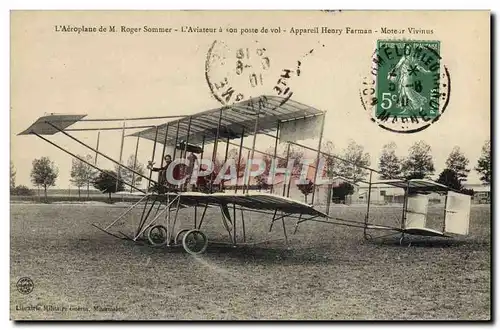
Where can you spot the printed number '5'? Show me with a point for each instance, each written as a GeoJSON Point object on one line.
{"type": "Point", "coordinates": [386, 101]}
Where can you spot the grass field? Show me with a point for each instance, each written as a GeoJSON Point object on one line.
{"type": "Point", "coordinates": [330, 272]}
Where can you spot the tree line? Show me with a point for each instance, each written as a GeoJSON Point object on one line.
{"type": "Point", "coordinates": [44, 173]}
{"type": "Point", "coordinates": [352, 164]}
{"type": "Point", "coordinates": [419, 164]}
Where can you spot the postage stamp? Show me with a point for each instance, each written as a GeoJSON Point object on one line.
{"type": "Point", "coordinates": [409, 87]}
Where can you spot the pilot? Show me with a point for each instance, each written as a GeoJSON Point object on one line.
{"type": "Point", "coordinates": [192, 165]}
{"type": "Point", "coordinates": [162, 171]}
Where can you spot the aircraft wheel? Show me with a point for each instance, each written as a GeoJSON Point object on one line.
{"type": "Point", "coordinates": [157, 235]}
{"type": "Point", "coordinates": [145, 234]}
{"type": "Point", "coordinates": [195, 241]}
{"type": "Point", "coordinates": [179, 236]}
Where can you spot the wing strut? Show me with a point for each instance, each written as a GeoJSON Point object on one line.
{"type": "Point", "coordinates": [86, 162]}
{"type": "Point", "coordinates": [97, 152]}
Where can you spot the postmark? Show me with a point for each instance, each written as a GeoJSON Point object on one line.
{"type": "Point", "coordinates": [249, 72]}
{"type": "Point", "coordinates": [235, 74]}
{"type": "Point", "coordinates": [408, 88]}
{"type": "Point", "coordinates": [25, 285]}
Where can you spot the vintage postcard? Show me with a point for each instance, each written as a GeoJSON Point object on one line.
{"type": "Point", "coordinates": [250, 165]}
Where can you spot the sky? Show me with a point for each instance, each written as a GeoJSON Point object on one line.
{"type": "Point", "coordinates": [123, 74]}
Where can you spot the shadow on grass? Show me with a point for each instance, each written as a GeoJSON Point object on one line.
{"type": "Point", "coordinates": [241, 254]}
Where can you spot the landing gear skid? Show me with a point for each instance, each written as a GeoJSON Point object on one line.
{"type": "Point", "coordinates": [401, 240]}
{"type": "Point", "coordinates": [194, 241]}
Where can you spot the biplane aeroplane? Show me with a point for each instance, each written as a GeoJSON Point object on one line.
{"type": "Point", "coordinates": [285, 121]}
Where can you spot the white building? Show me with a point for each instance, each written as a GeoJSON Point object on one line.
{"type": "Point", "coordinates": [482, 192]}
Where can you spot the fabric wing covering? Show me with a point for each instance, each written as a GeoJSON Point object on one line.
{"type": "Point", "coordinates": [258, 201]}
{"type": "Point", "coordinates": [420, 185]}
{"type": "Point", "coordinates": [42, 126]}
{"type": "Point", "coordinates": [457, 213]}
{"type": "Point", "coordinates": [236, 120]}
{"type": "Point", "coordinates": [416, 211]}
{"type": "Point", "coordinates": [297, 130]}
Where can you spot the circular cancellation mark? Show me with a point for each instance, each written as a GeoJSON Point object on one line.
{"type": "Point", "coordinates": [236, 74]}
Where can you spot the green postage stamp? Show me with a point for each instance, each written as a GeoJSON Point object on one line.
{"type": "Point", "coordinates": [409, 86]}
